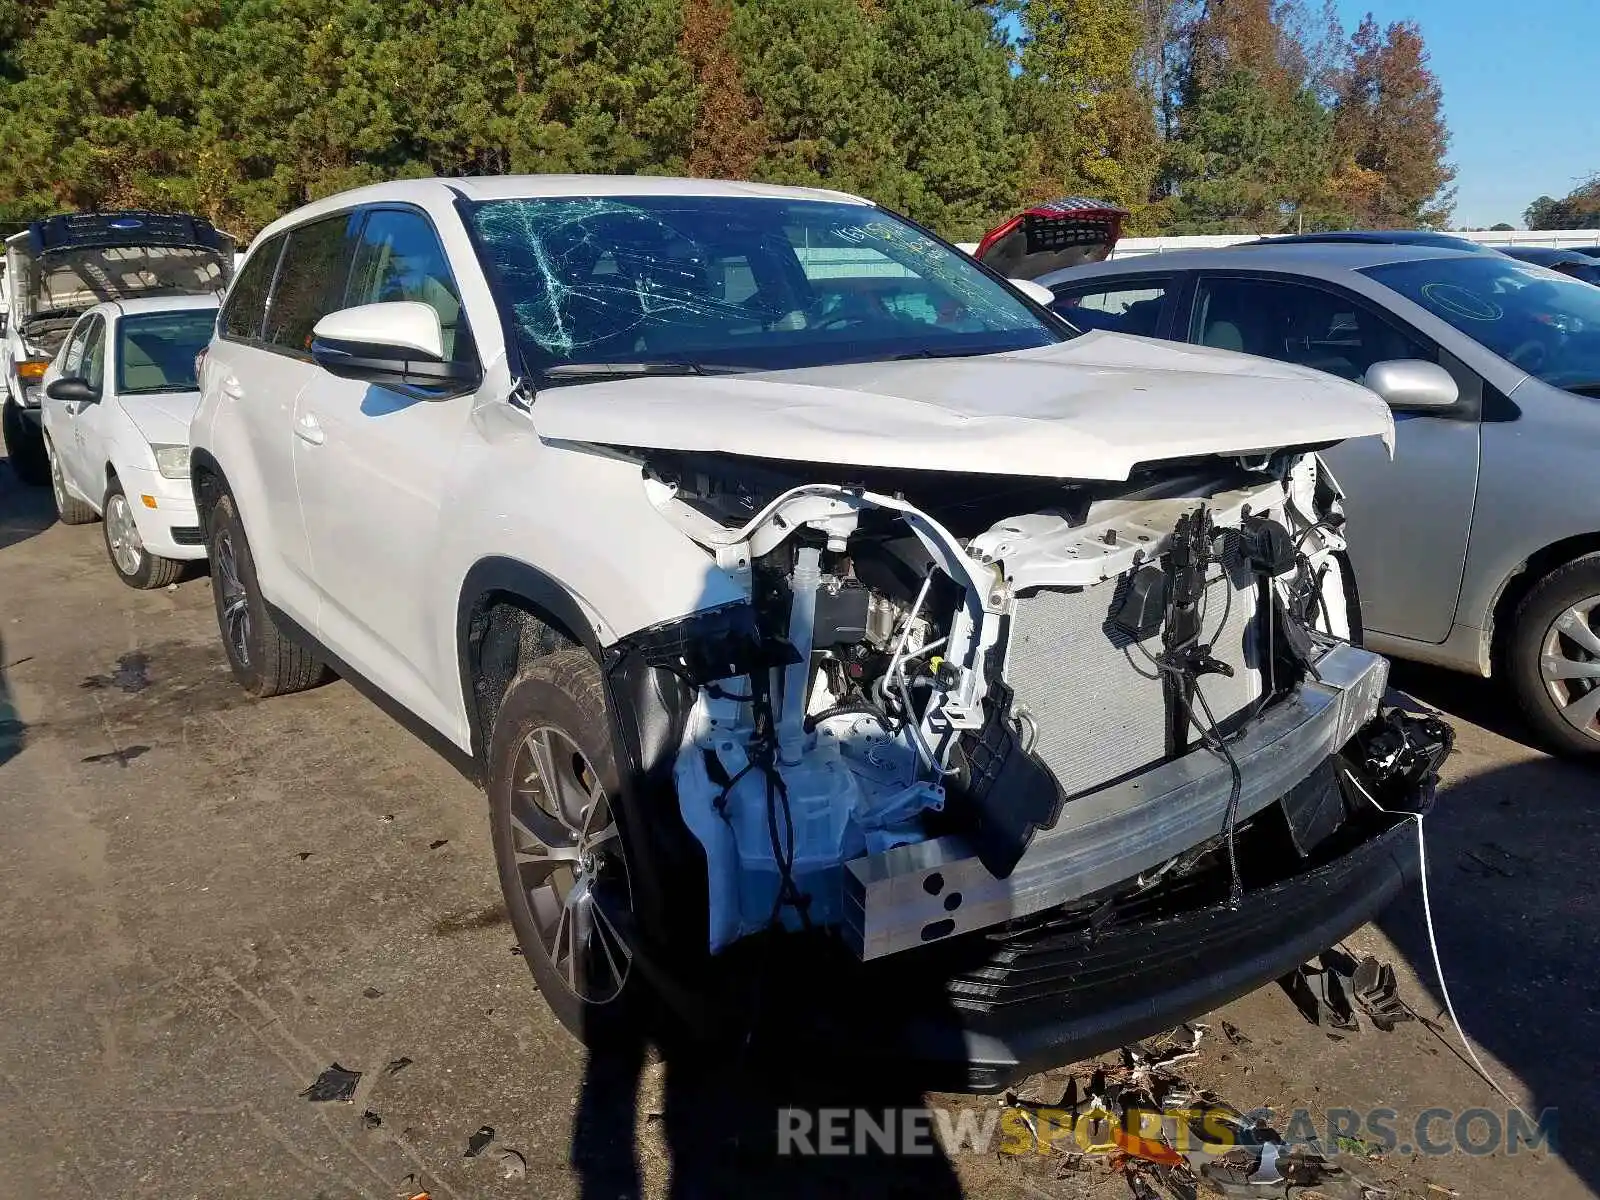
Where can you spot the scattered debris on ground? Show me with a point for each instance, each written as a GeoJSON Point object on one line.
{"type": "Point", "coordinates": [335, 1083]}
{"type": "Point", "coordinates": [1170, 1140]}
{"type": "Point", "coordinates": [1327, 993]}
{"type": "Point", "coordinates": [396, 1065]}
{"type": "Point", "coordinates": [370, 1119]}
{"type": "Point", "coordinates": [372, 993]}
{"type": "Point", "coordinates": [512, 1164]}
{"type": "Point", "coordinates": [479, 1142]}
{"type": "Point", "coordinates": [434, 845]}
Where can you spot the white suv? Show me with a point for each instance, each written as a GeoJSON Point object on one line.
{"type": "Point", "coordinates": [777, 567]}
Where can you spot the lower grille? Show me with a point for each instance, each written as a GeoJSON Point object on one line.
{"type": "Point", "coordinates": [1093, 690]}
{"type": "Point", "coordinates": [187, 535]}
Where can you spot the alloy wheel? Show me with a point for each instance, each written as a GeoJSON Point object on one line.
{"type": "Point", "coordinates": [122, 535]}
{"type": "Point", "coordinates": [1569, 663]}
{"type": "Point", "coordinates": [58, 481]}
{"type": "Point", "coordinates": [235, 607]}
{"type": "Point", "coordinates": [570, 861]}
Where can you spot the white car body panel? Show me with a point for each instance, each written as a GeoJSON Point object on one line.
{"type": "Point", "coordinates": [118, 432]}
{"type": "Point", "coordinates": [1091, 408]}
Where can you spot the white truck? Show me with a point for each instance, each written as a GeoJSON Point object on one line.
{"type": "Point", "coordinates": [61, 266]}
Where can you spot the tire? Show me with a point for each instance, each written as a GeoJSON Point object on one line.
{"type": "Point", "coordinates": [264, 659]}
{"type": "Point", "coordinates": [1553, 657]}
{"type": "Point", "coordinates": [69, 508]}
{"type": "Point", "coordinates": [580, 957]}
{"type": "Point", "coordinates": [25, 446]}
{"type": "Point", "coordinates": [134, 564]}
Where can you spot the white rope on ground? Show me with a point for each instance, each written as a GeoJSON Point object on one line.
{"type": "Point", "coordinates": [1433, 945]}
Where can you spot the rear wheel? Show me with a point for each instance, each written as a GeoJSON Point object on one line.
{"type": "Point", "coordinates": [266, 661]}
{"type": "Point", "coordinates": [1554, 657]}
{"type": "Point", "coordinates": [25, 446]}
{"type": "Point", "coordinates": [135, 565]}
{"type": "Point", "coordinates": [560, 850]}
{"type": "Point", "coordinates": [69, 508]}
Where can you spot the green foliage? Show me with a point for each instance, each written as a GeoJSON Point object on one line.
{"type": "Point", "coordinates": [1579, 209]}
{"type": "Point", "coordinates": [1193, 114]}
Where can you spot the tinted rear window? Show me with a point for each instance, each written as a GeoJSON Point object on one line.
{"type": "Point", "coordinates": [310, 282]}
{"type": "Point", "coordinates": [247, 298]}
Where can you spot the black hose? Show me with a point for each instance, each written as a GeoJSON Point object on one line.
{"type": "Point", "coordinates": [858, 708]}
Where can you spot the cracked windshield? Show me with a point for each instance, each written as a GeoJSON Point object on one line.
{"type": "Point", "coordinates": [716, 283]}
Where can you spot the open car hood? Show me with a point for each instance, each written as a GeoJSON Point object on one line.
{"type": "Point", "coordinates": [1092, 408]}
{"type": "Point", "coordinates": [65, 264]}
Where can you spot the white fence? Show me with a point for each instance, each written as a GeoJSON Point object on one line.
{"type": "Point", "coordinates": [1557, 239]}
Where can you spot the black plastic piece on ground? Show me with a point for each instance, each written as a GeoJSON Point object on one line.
{"type": "Point", "coordinates": [335, 1083]}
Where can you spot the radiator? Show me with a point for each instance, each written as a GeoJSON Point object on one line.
{"type": "Point", "coordinates": [1093, 691]}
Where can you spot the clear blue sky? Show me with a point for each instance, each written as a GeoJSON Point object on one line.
{"type": "Point", "coordinates": [1521, 95]}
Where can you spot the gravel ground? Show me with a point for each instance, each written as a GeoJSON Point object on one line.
{"type": "Point", "coordinates": [207, 900]}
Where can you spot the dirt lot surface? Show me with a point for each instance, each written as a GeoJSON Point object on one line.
{"type": "Point", "coordinates": [207, 900]}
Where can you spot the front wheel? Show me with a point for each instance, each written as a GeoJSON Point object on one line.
{"type": "Point", "coordinates": [25, 446]}
{"type": "Point", "coordinates": [1553, 655]}
{"type": "Point", "coordinates": [562, 858]}
{"type": "Point", "coordinates": [132, 561]}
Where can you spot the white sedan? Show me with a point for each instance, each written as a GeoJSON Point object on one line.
{"type": "Point", "coordinates": [117, 404]}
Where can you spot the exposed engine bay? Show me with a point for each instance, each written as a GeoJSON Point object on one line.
{"type": "Point", "coordinates": [931, 661]}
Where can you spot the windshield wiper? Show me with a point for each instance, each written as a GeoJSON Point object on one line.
{"type": "Point", "coordinates": [1590, 388]}
{"type": "Point", "coordinates": [636, 370]}
{"type": "Point", "coordinates": [964, 352]}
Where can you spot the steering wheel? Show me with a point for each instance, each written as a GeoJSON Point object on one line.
{"type": "Point", "coordinates": [1529, 355]}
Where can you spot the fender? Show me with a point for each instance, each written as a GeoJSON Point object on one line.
{"type": "Point", "coordinates": [499, 577]}
{"type": "Point", "coordinates": [647, 707]}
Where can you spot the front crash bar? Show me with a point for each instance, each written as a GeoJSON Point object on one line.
{"type": "Point", "coordinates": [913, 895]}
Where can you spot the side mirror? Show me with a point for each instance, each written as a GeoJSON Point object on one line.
{"type": "Point", "coordinates": [396, 342]}
{"type": "Point", "coordinates": [1037, 292]}
{"type": "Point", "coordinates": [72, 390]}
{"type": "Point", "coordinates": [1412, 385]}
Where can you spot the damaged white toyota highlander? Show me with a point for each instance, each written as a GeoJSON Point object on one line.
{"type": "Point", "coordinates": [802, 592]}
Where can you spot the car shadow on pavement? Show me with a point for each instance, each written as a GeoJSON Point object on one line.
{"type": "Point", "coordinates": [1511, 857]}
{"type": "Point", "coordinates": [1484, 702]}
{"type": "Point", "coordinates": [24, 510]}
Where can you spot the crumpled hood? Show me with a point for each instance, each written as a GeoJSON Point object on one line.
{"type": "Point", "coordinates": [163, 418]}
{"type": "Point", "coordinates": [1091, 408]}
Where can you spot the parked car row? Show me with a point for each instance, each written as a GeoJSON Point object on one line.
{"type": "Point", "coordinates": [787, 576]}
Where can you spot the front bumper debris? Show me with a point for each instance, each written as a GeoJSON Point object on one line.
{"type": "Point", "coordinates": [913, 895]}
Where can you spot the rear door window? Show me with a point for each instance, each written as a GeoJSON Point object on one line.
{"type": "Point", "coordinates": [311, 282]}
{"type": "Point", "coordinates": [1134, 306]}
{"type": "Point", "coordinates": [398, 257]}
{"type": "Point", "coordinates": [1296, 323]}
{"type": "Point", "coordinates": [246, 305]}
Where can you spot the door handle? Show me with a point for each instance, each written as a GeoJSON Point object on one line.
{"type": "Point", "coordinates": [232, 389]}
{"type": "Point", "coordinates": [307, 430]}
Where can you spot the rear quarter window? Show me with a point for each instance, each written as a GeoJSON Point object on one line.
{"type": "Point", "coordinates": [245, 308]}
